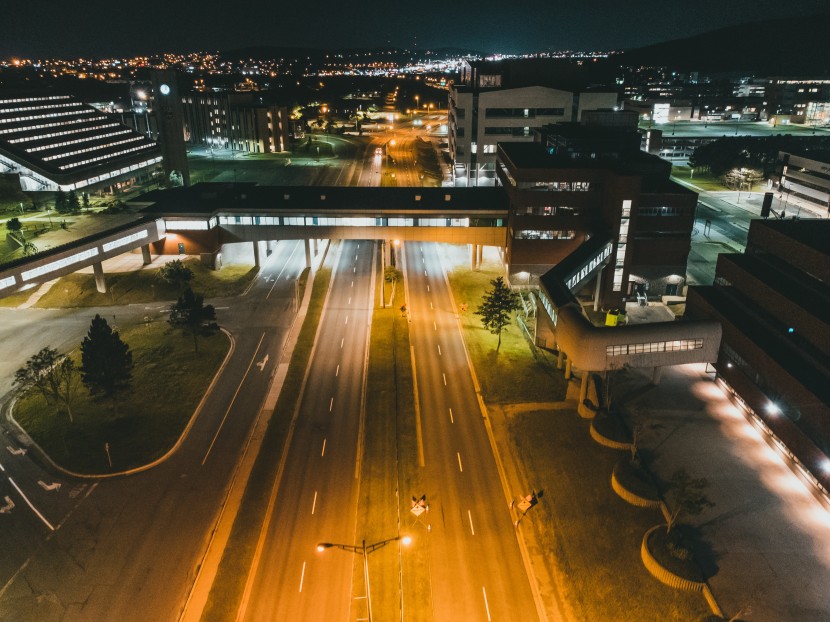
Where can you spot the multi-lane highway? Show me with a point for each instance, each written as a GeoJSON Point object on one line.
{"type": "Point", "coordinates": [316, 495]}
{"type": "Point", "coordinates": [475, 562]}
{"type": "Point", "coordinates": [128, 548]}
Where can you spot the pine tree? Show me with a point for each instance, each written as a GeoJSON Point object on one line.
{"type": "Point", "coordinates": [106, 361]}
{"type": "Point", "coordinates": [61, 205]}
{"type": "Point", "coordinates": [496, 307]}
{"type": "Point", "coordinates": [72, 203]}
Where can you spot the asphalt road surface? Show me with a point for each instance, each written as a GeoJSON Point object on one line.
{"type": "Point", "coordinates": [128, 548]}
{"type": "Point", "coordinates": [475, 562]}
{"type": "Point", "coordinates": [316, 496]}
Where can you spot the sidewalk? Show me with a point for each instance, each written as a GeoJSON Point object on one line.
{"type": "Point", "coordinates": [769, 537]}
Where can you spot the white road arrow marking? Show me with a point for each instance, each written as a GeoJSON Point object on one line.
{"type": "Point", "coordinates": [52, 486]}
{"type": "Point", "coordinates": [8, 507]}
{"type": "Point", "coordinates": [261, 364]}
{"type": "Point", "coordinates": [16, 451]}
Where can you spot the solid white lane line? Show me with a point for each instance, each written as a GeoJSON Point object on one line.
{"type": "Point", "coordinates": [458, 455]}
{"type": "Point", "coordinates": [470, 516]}
{"type": "Point", "coordinates": [486, 605]}
{"type": "Point", "coordinates": [323, 453]}
{"type": "Point", "coordinates": [29, 503]}
{"type": "Point", "coordinates": [314, 503]}
{"type": "Point", "coordinates": [434, 325]}
{"type": "Point", "coordinates": [302, 578]}
{"type": "Point", "coordinates": [451, 417]}
{"type": "Point", "coordinates": [233, 399]}
{"type": "Point", "coordinates": [445, 378]}
{"type": "Point", "coordinates": [331, 404]}
{"type": "Point", "coordinates": [337, 371]}
{"type": "Point", "coordinates": [439, 350]}
{"type": "Point", "coordinates": [341, 342]}
{"type": "Point", "coordinates": [288, 276]}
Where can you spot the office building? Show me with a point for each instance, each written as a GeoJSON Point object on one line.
{"type": "Point", "coordinates": [805, 175]}
{"type": "Point", "coordinates": [507, 101]}
{"type": "Point", "coordinates": [53, 141]}
{"type": "Point", "coordinates": [772, 302]}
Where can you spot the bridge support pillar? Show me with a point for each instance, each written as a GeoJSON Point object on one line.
{"type": "Point", "coordinates": [560, 359]}
{"type": "Point", "coordinates": [100, 283]}
{"type": "Point", "coordinates": [596, 290]}
{"type": "Point", "coordinates": [145, 254]}
{"type": "Point", "coordinates": [581, 408]}
{"type": "Point", "coordinates": [314, 246]}
{"type": "Point", "coordinates": [479, 256]}
{"type": "Point", "coordinates": [387, 253]}
{"type": "Point", "coordinates": [307, 253]}
{"type": "Point", "coordinates": [568, 368]}
{"type": "Point", "coordinates": [656, 375]}
{"type": "Point", "coordinates": [257, 259]}
{"type": "Point", "coordinates": [473, 255]}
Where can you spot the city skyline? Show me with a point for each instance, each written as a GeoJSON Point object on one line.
{"type": "Point", "coordinates": [37, 30]}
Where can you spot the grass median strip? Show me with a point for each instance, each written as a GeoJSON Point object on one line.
{"type": "Point", "coordinates": [389, 477]}
{"type": "Point", "coordinates": [226, 593]}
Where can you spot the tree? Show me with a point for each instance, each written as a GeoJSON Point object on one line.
{"type": "Point", "coordinates": [496, 307]}
{"type": "Point", "coordinates": [15, 226]}
{"type": "Point", "coordinates": [391, 274]}
{"type": "Point", "coordinates": [106, 361]}
{"type": "Point", "coordinates": [61, 204]}
{"type": "Point", "coordinates": [85, 200]}
{"type": "Point", "coordinates": [176, 273]}
{"type": "Point", "coordinates": [52, 375]}
{"type": "Point", "coordinates": [193, 316]}
{"type": "Point", "coordinates": [688, 495]}
{"type": "Point", "coordinates": [73, 205]}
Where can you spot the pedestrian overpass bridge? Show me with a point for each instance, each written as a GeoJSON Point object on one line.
{"type": "Point", "coordinates": [204, 218]}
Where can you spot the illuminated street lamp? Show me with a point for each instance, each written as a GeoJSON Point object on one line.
{"type": "Point", "coordinates": [417, 102]}
{"type": "Point", "coordinates": [364, 549]}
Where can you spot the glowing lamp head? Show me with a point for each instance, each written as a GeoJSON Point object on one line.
{"type": "Point", "coordinates": [406, 540]}
{"type": "Point", "coordinates": [165, 89]}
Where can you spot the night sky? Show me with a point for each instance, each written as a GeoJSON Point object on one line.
{"type": "Point", "coordinates": [62, 28]}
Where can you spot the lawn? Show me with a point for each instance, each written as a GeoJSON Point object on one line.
{"type": "Point", "coordinates": [706, 181]}
{"type": "Point", "coordinates": [78, 290]}
{"type": "Point", "coordinates": [518, 371]}
{"type": "Point", "coordinates": [229, 584]}
{"type": "Point", "coordinates": [390, 422]}
{"type": "Point", "coordinates": [591, 535]}
{"type": "Point", "coordinates": [148, 421]}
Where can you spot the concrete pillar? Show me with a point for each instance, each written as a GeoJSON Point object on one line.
{"type": "Point", "coordinates": [596, 290]}
{"type": "Point", "coordinates": [656, 375]}
{"type": "Point", "coordinates": [583, 410]}
{"type": "Point", "coordinates": [307, 253]}
{"type": "Point", "coordinates": [256, 254]}
{"type": "Point", "coordinates": [314, 246]}
{"type": "Point", "coordinates": [479, 256]}
{"type": "Point", "coordinates": [100, 283]}
{"type": "Point", "coordinates": [145, 254]}
{"type": "Point", "coordinates": [387, 252]}
{"type": "Point", "coordinates": [568, 368]}
{"type": "Point", "coordinates": [560, 359]}
{"type": "Point", "coordinates": [472, 256]}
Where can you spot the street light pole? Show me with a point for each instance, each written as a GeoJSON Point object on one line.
{"type": "Point", "coordinates": [364, 549]}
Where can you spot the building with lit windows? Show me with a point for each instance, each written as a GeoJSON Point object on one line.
{"type": "Point", "coordinates": [557, 202]}
{"type": "Point", "coordinates": [237, 121]}
{"type": "Point", "coordinates": [805, 175]}
{"type": "Point", "coordinates": [54, 141]}
{"type": "Point", "coordinates": [807, 99]}
{"type": "Point", "coordinates": [507, 101]}
{"type": "Point", "coordinates": [772, 302]}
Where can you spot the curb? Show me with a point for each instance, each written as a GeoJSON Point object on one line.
{"type": "Point", "coordinates": [607, 442]}
{"type": "Point", "coordinates": [145, 467]}
{"type": "Point", "coordinates": [672, 580]}
{"type": "Point", "coordinates": [626, 495]}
